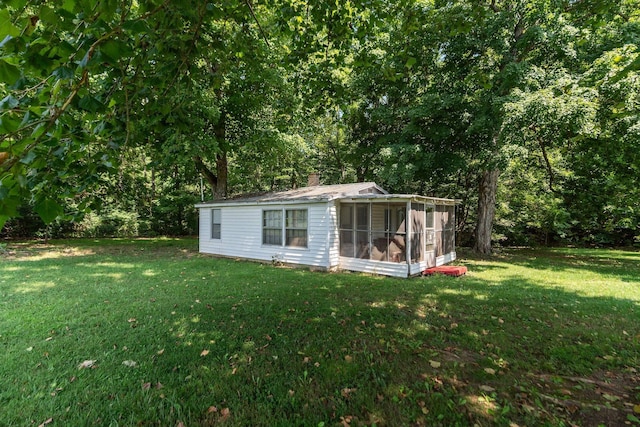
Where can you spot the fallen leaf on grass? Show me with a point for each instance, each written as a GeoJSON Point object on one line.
{"type": "Point", "coordinates": [49, 421]}
{"type": "Point", "coordinates": [160, 352]}
{"type": "Point", "coordinates": [348, 358]}
{"type": "Point", "coordinates": [87, 364]}
{"type": "Point", "coordinates": [146, 386]}
{"type": "Point", "coordinates": [204, 353]}
{"type": "Point", "coordinates": [636, 409]}
{"type": "Point", "coordinates": [434, 364]}
{"type": "Point", "coordinates": [130, 363]}
{"type": "Point", "coordinates": [225, 412]}
{"type": "Point", "coordinates": [346, 421]}
{"type": "Point", "coordinates": [487, 388]}
{"type": "Point", "coordinates": [490, 371]}
{"type": "Point", "coordinates": [346, 392]}
{"type": "Point", "coordinates": [132, 319]}
{"type": "Point", "coordinates": [572, 408]}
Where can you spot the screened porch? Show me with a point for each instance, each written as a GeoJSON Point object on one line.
{"type": "Point", "coordinates": [416, 231]}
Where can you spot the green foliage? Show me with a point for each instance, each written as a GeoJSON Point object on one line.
{"type": "Point", "coordinates": [122, 107]}
{"type": "Point", "coordinates": [451, 89]}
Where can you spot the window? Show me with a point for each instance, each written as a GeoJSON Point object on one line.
{"type": "Point", "coordinates": [272, 227]}
{"type": "Point", "coordinates": [292, 231]}
{"type": "Point", "coordinates": [216, 223]}
{"type": "Point", "coordinates": [296, 228]}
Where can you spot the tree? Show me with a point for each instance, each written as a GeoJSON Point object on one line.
{"type": "Point", "coordinates": [73, 74]}
{"type": "Point", "coordinates": [464, 82]}
{"type": "Point", "coordinates": [82, 83]}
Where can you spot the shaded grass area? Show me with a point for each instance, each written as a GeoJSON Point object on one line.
{"type": "Point", "coordinates": [530, 337]}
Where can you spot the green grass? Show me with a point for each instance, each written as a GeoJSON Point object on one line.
{"type": "Point", "coordinates": [530, 337]}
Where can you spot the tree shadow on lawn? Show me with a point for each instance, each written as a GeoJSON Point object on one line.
{"type": "Point", "coordinates": [381, 350]}
{"type": "Point", "coordinates": [615, 263]}
{"type": "Point", "coordinates": [292, 346]}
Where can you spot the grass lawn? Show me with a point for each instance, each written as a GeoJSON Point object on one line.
{"type": "Point", "coordinates": [149, 332]}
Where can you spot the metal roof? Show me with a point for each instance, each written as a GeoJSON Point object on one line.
{"type": "Point", "coordinates": [305, 194]}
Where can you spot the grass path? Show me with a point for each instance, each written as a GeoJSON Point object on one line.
{"type": "Point", "coordinates": [148, 332]}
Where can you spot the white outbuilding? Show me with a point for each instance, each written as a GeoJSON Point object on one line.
{"type": "Point", "coordinates": [356, 227]}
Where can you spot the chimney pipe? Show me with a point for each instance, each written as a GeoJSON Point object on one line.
{"type": "Point", "coordinates": [314, 180]}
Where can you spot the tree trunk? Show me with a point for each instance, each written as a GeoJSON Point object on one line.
{"type": "Point", "coordinates": [217, 181]}
{"type": "Point", "coordinates": [211, 178]}
{"type": "Point", "coordinates": [222, 171]}
{"type": "Point", "coordinates": [487, 190]}
{"type": "Point", "coordinates": [220, 191]}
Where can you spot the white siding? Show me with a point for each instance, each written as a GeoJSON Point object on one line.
{"type": "Point", "coordinates": [241, 235]}
{"type": "Point", "coordinates": [394, 269]}
{"type": "Point", "coordinates": [446, 258]}
{"type": "Point", "coordinates": [333, 236]}
{"type": "Point", "coordinates": [417, 268]}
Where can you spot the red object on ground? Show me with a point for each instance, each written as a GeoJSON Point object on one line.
{"type": "Point", "coordinates": [449, 270]}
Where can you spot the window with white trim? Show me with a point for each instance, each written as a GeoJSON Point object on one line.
{"type": "Point", "coordinates": [272, 227]}
{"type": "Point", "coordinates": [288, 227]}
{"type": "Point", "coordinates": [216, 224]}
{"type": "Point", "coordinates": [296, 228]}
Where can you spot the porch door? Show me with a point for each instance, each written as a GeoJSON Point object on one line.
{"type": "Point", "coordinates": [418, 230]}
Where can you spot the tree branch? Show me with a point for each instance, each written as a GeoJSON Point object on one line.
{"type": "Point", "coordinates": [255, 18]}
{"type": "Point", "coordinates": [547, 163]}
{"type": "Point", "coordinates": [211, 178]}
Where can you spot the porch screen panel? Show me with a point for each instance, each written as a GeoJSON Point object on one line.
{"type": "Point", "coordinates": [448, 232]}
{"type": "Point", "coordinates": [430, 235]}
{"type": "Point", "coordinates": [417, 232]}
{"type": "Point", "coordinates": [362, 230]}
{"type": "Point", "coordinates": [347, 232]}
{"type": "Point", "coordinates": [376, 231]}
{"type": "Point", "coordinates": [398, 232]}
{"type": "Point", "coordinates": [439, 219]}
{"type": "Point", "coordinates": [445, 229]}
{"type": "Point", "coordinates": [380, 231]}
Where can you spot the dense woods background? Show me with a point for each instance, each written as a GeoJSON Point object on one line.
{"type": "Point", "coordinates": [117, 116]}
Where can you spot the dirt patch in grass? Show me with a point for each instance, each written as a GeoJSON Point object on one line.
{"type": "Point", "coordinates": [603, 398]}
{"type": "Point", "coordinates": [41, 251]}
{"type": "Point", "coordinates": [36, 251]}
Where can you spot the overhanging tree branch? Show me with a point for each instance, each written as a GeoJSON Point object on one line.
{"type": "Point", "coordinates": [255, 18]}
